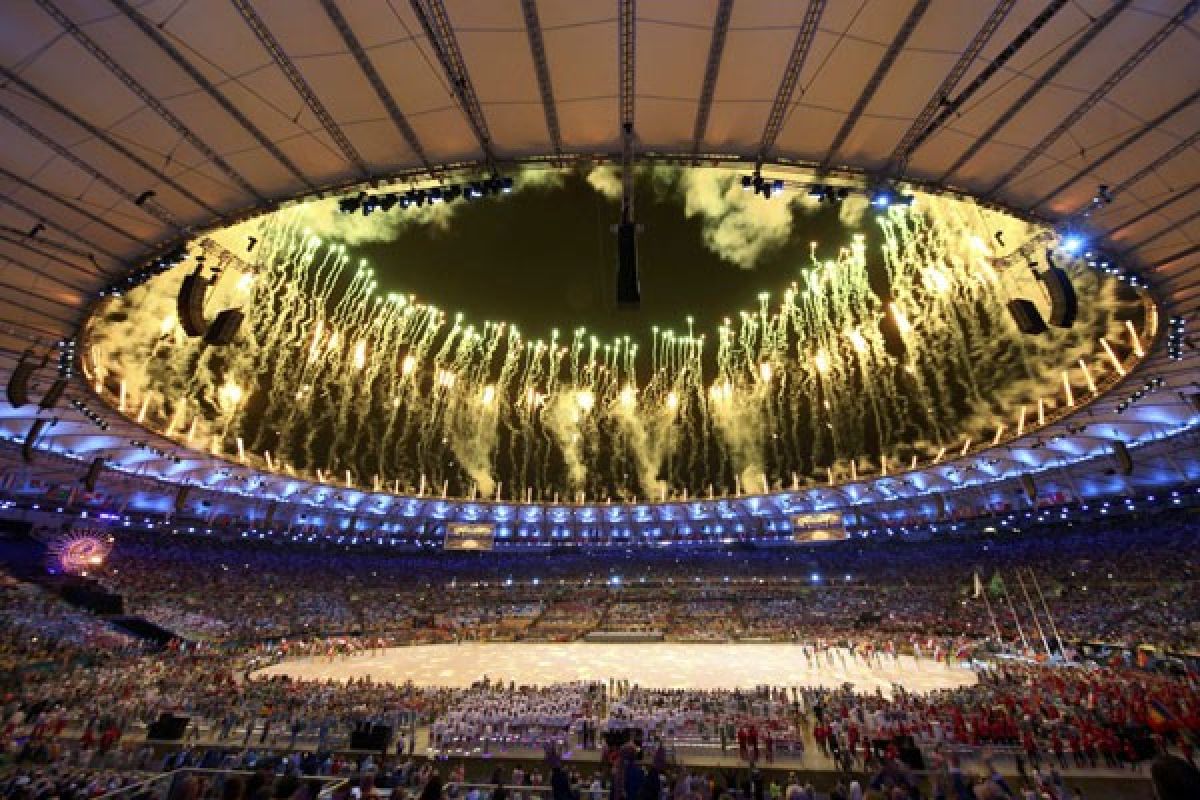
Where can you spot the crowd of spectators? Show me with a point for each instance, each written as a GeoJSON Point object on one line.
{"type": "Point", "coordinates": [79, 696]}
{"type": "Point", "coordinates": [1107, 585]}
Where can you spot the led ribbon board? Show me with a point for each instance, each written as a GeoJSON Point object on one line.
{"type": "Point", "coordinates": [826, 526]}
{"type": "Point", "coordinates": [470, 536]}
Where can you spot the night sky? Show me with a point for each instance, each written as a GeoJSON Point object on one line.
{"type": "Point", "coordinates": [543, 258]}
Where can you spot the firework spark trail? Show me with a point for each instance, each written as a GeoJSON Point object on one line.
{"type": "Point", "coordinates": [868, 351]}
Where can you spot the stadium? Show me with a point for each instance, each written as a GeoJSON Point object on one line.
{"type": "Point", "coordinates": [573, 399]}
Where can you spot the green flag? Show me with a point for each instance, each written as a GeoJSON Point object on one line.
{"type": "Point", "coordinates": [996, 587]}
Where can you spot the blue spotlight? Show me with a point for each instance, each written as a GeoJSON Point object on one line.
{"type": "Point", "coordinates": [1071, 244]}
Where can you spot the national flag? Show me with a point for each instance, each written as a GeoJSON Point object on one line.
{"type": "Point", "coordinates": [996, 587]}
{"type": "Point", "coordinates": [1158, 716]}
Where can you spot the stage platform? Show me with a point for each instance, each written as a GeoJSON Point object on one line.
{"type": "Point", "coordinates": [650, 664]}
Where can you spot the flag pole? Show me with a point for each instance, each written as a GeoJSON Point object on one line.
{"type": "Point", "coordinates": [1036, 620]}
{"type": "Point", "coordinates": [1016, 619]}
{"type": "Point", "coordinates": [979, 590]}
{"type": "Point", "coordinates": [1053, 625]}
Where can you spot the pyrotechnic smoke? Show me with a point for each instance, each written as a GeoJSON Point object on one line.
{"type": "Point", "coordinates": [328, 373]}
{"type": "Point", "coordinates": [739, 226]}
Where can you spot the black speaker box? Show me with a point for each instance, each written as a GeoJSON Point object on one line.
{"type": "Point", "coordinates": [35, 430]}
{"type": "Point", "coordinates": [1030, 487]}
{"type": "Point", "coordinates": [1028, 318]}
{"type": "Point", "coordinates": [53, 394]}
{"type": "Point", "coordinates": [190, 305]}
{"type": "Point", "coordinates": [1124, 460]}
{"type": "Point", "coordinates": [93, 474]}
{"type": "Point", "coordinates": [224, 328]}
{"type": "Point", "coordinates": [377, 737]}
{"type": "Point", "coordinates": [18, 383]}
{"type": "Point", "coordinates": [1063, 303]}
{"type": "Point", "coordinates": [167, 728]}
{"type": "Point", "coordinates": [181, 498]}
{"type": "Point", "coordinates": [629, 288]}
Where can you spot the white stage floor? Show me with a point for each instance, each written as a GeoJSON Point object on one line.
{"type": "Point", "coordinates": [659, 665]}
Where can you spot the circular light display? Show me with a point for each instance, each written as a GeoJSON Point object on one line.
{"type": "Point", "coordinates": [409, 340]}
{"type": "Point", "coordinates": [79, 551]}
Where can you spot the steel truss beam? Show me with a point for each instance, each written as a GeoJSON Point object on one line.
{"type": "Point", "coordinates": [1098, 94]}
{"type": "Point", "coordinates": [151, 207]}
{"type": "Point", "coordinates": [172, 52]}
{"type": "Point", "coordinates": [791, 77]}
{"type": "Point", "coordinates": [144, 94]}
{"type": "Point", "coordinates": [1179, 223]}
{"type": "Point", "coordinates": [288, 68]}
{"type": "Point", "coordinates": [712, 70]}
{"type": "Point", "coordinates": [26, 243]}
{"type": "Point", "coordinates": [1118, 148]}
{"type": "Point", "coordinates": [919, 135]}
{"type": "Point", "coordinates": [368, 69]}
{"type": "Point", "coordinates": [627, 61]}
{"type": "Point", "coordinates": [1154, 209]}
{"type": "Point", "coordinates": [1182, 254]}
{"type": "Point", "coordinates": [872, 86]}
{"type": "Point", "coordinates": [37, 94]}
{"type": "Point", "coordinates": [1068, 55]}
{"type": "Point", "coordinates": [69, 233]}
{"type": "Point", "coordinates": [541, 65]}
{"type": "Point", "coordinates": [83, 212]}
{"type": "Point", "coordinates": [436, 24]}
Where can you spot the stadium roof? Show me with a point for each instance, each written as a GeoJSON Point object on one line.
{"type": "Point", "coordinates": [126, 125]}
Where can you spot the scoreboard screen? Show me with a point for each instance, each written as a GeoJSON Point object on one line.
{"type": "Point", "coordinates": [470, 536]}
{"type": "Point", "coordinates": [825, 526]}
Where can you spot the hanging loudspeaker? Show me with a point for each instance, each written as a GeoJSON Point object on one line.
{"type": "Point", "coordinates": [93, 473]}
{"type": "Point", "coordinates": [1124, 460]}
{"type": "Point", "coordinates": [629, 287]}
{"type": "Point", "coordinates": [1026, 315]}
{"type": "Point", "coordinates": [53, 394]}
{"type": "Point", "coordinates": [18, 382]}
{"type": "Point", "coordinates": [1030, 487]}
{"type": "Point", "coordinates": [190, 304]}
{"type": "Point", "coordinates": [1063, 303]}
{"type": "Point", "coordinates": [181, 498]}
{"type": "Point", "coordinates": [31, 439]}
{"type": "Point", "coordinates": [940, 503]}
{"type": "Point", "coordinates": [224, 327]}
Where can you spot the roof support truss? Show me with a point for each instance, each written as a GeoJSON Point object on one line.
{"type": "Point", "coordinates": [1179, 223]}
{"type": "Point", "coordinates": [541, 66]}
{"type": "Point", "coordinates": [791, 77]}
{"type": "Point", "coordinates": [436, 24]}
{"type": "Point", "coordinates": [80, 210]}
{"type": "Point", "coordinates": [368, 69]}
{"type": "Point", "coordinates": [948, 106]}
{"type": "Point", "coordinates": [627, 63]}
{"type": "Point", "coordinates": [285, 64]}
{"type": "Point", "coordinates": [37, 94]}
{"type": "Point", "coordinates": [1050, 74]}
{"type": "Point", "coordinates": [898, 161]}
{"type": "Point", "coordinates": [712, 69]}
{"type": "Point", "coordinates": [1098, 94]}
{"type": "Point", "coordinates": [63, 152]}
{"type": "Point", "coordinates": [68, 232]}
{"type": "Point", "coordinates": [1118, 148]}
{"type": "Point", "coordinates": [172, 52]}
{"type": "Point", "coordinates": [881, 70]}
{"type": "Point", "coordinates": [144, 94]}
{"type": "Point", "coordinates": [1156, 208]}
